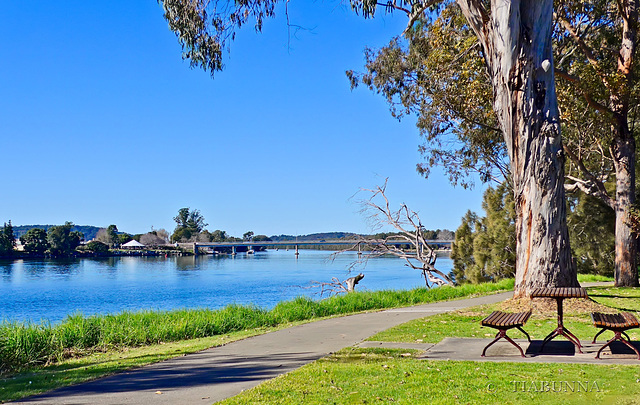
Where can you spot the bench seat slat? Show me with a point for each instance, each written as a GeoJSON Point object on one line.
{"type": "Point", "coordinates": [499, 319]}
{"type": "Point", "coordinates": [490, 318]}
{"type": "Point", "coordinates": [622, 321]}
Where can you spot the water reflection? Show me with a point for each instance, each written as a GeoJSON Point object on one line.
{"type": "Point", "coordinates": [6, 270]}
{"type": "Point", "coordinates": [51, 289]}
{"type": "Point", "coordinates": [66, 267]}
{"type": "Point", "coordinates": [187, 263]}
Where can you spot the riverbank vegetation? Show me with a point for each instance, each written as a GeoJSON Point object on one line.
{"type": "Point", "coordinates": [70, 240]}
{"type": "Point", "coordinates": [28, 347]}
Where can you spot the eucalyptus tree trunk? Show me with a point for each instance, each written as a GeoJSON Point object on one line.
{"type": "Point", "coordinates": [626, 270]}
{"type": "Point", "coordinates": [516, 40]}
{"type": "Point", "coordinates": [624, 151]}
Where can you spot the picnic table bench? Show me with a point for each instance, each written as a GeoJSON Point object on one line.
{"type": "Point", "coordinates": [560, 294]}
{"type": "Point", "coordinates": [618, 324]}
{"type": "Point", "coordinates": [504, 321]}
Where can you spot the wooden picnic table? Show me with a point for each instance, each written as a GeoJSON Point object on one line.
{"type": "Point", "coordinates": [560, 294]}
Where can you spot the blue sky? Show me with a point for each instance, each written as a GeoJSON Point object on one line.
{"type": "Point", "coordinates": [102, 122]}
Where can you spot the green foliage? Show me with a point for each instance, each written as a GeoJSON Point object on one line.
{"type": "Point", "coordinates": [97, 247]}
{"type": "Point", "coordinates": [592, 234]}
{"type": "Point", "coordinates": [112, 234]}
{"type": "Point", "coordinates": [62, 240]}
{"type": "Point", "coordinates": [261, 238]}
{"type": "Point", "coordinates": [484, 248]}
{"type": "Point", "coordinates": [7, 240]}
{"type": "Point", "coordinates": [109, 236]}
{"type": "Point", "coordinates": [494, 245]}
{"type": "Point", "coordinates": [188, 224]}
{"type": "Point", "coordinates": [462, 248]}
{"type": "Point", "coordinates": [247, 236]}
{"type": "Point", "coordinates": [89, 232]}
{"type": "Point", "coordinates": [219, 236]}
{"type": "Point", "coordinates": [205, 27]}
{"type": "Point", "coordinates": [35, 241]}
{"type": "Point", "coordinates": [438, 74]}
{"type": "Point", "coordinates": [124, 238]}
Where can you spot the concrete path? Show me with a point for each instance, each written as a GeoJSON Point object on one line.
{"type": "Point", "coordinates": [557, 351]}
{"type": "Point", "coordinates": [222, 372]}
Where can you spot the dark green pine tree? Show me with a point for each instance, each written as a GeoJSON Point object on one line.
{"type": "Point", "coordinates": [484, 247]}
{"type": "Point", "coordinates": [7, 240]}
{"type": "Point", "coordinates": [592, 234]}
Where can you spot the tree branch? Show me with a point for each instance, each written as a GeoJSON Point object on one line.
{"type": "Point", "coordinates": [575, 80]}
{"type": "Point", "coordinates": [410, 232]}
{"type": "Point", "coordinates": [586, 49]}
{"type": "Point", "coordinates": [591, 185]}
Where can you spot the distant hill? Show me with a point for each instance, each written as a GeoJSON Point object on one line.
{"type": "Point", "coordinates": [440, 234]}
{"type": "Point", "coordinates": [88, 231]}
{"type": "Point", "coordinates": [315, 237]}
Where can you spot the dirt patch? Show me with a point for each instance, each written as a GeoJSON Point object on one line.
{"type": "Point", "coordinates": [549, 307]}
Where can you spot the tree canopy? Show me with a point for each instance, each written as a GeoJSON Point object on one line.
{"type": "Point", "coordinates": [189, 223]}
{"type": "Point", "coordinates": [7, 240]}
{"type": "Point", "coordinates": [62, 240]}
{"type": "Point", "coordinates": [35, 241]}
{"type": "Point", "coordinates": [484, 248]}
{"type": "Point", "coordinates": [438, 74]}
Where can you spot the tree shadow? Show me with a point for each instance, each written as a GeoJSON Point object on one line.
{"type": "Point", "coordinates": [189, 371]}
{"type": "Point", "coordinates": [552, 348]}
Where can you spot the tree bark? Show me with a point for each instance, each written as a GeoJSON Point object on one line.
{"type": "Point", "coordinates": [516, 40]}
{"type": "Point", "coordinates": [626, 270]}
{"type": "Point", "coordinates": [624, 151]}
{"type": "Point", "coordinates": [352, 281]}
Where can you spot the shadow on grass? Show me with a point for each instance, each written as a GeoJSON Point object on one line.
{"type": "Point", "coordinates": [626, 297]}
{"type": "Point", "coordinates": [621, 299]}
{"type": "Point", "coordinates": [186, 372]}
{"type": "Point", "coordinates": [42, 379]}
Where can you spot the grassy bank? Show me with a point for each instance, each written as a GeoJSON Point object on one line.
{"type": "Point", "coordinates": [28, 345]}
{"type": "Point", "coordinates": [356, 375]}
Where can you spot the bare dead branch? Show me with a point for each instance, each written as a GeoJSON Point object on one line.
{"type": "Point", "coordinates": [410, 232]}
{"type": "Point", "coordinates": [335, 286]}
{"type": "Point", "coordinates": [591, 184]}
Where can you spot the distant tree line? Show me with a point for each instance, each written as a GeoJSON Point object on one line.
{"type": "Point", "coordinates": [190, 227]}
{"type": "Point", "coordinates": [88, 231]}
{"type": "Point", "coordinates": [56, 241]}
{"type": "Point", "coordinates": [65, 240]}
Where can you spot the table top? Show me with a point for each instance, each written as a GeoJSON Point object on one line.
{"type": "Point", "coordinates": [559, 292]}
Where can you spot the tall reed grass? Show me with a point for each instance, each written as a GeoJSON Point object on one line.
{"type": "Point", "coordinates": [24, 345]}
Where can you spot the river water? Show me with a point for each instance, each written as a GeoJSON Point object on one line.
{"type": "Point", "coordinates": [49, 290]}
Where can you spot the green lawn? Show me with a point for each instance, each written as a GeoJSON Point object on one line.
{"type": "Point", "coordinates": [620, 299]}
{"type": "Point", "coordinates": [371, 376]}
{"type": "Point", "coordinates": [588, 278]}
{"type": "Point", "coordinates": [361, 376]}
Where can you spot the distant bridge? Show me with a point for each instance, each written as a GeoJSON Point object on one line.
{"type": "Point", "coordinates": [249, 245]}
